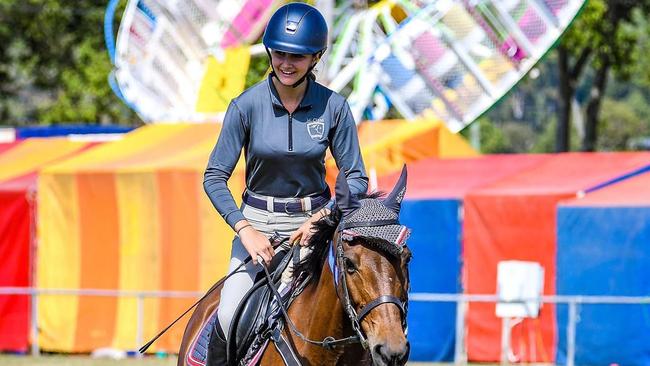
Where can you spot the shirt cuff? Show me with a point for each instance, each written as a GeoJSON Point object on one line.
{"type": "Point", "coordinates": [234, 217]}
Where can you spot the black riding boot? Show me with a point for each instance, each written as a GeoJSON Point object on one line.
{"type": "Point", "coordinates": [217, 347]}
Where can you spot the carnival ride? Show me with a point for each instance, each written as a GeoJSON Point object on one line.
{"type": "Point", "coordinates": [183, 60]}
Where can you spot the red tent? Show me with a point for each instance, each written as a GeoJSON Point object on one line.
{"type": "Point", "coordinates": [434, 197]}
{"type": "Point", "coordinates": [436, 178]}
{"type": "Point", "coordinates": [19, 163]}
{"type": "Point", "coordinates": [515, 219]}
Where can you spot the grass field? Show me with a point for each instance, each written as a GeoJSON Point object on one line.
{"type": "Point", "coordinates": [7, 360]}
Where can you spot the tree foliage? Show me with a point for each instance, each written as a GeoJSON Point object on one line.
{"type": "Point", "coordinates": [54, 64]}
{"type": "Point", "coordinates": [604, 38]}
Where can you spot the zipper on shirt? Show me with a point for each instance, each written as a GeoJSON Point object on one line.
{"type": "Point", "coordinates": [290, 132]}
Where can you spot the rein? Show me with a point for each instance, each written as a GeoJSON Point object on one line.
{"type": "Point", "coordinates": [275, 242]}
{"type": "Point", "coordinates": [331, 342]}
{"type": "Point", "coordinates": [327, 343]}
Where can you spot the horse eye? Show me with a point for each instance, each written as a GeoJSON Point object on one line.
{"type": "Point", "coordinates": [350, 267]}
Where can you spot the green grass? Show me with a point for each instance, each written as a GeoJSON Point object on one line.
{"type": "Point", "coordinates": [8, 360]}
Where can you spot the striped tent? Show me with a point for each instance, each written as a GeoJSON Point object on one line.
{"type": "Point", "coordinates": [132, 215]}
{"type": "Point", "coordinates": [128, 215]}
{"type": "Point", "coordinates": [19, 162]}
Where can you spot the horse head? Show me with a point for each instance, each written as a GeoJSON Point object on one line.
{"type": "Point", "coordinates": [371, 270]}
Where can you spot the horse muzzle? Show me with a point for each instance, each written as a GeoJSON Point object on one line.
{"type": "Point", "coordinates": [390, 354]}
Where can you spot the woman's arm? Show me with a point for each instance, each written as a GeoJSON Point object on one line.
{"type": "Point", "coordinates": [224, 157]}
{"type": "Point", "coordinates": [222, 162]}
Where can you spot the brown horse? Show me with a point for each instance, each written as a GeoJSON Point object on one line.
{"type": "Point", "coordinates": [358, 288]}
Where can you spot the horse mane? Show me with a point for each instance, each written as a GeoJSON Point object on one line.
{"type": "Point", "coordinates": [319, 242]}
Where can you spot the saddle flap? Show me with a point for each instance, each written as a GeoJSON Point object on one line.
{"type": "Point", "coordinates": [255, 311]}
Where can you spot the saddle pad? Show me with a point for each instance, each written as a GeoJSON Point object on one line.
{"type": "Point", "coordinates": [197, 355]}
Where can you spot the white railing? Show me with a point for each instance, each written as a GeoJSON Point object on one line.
{"type": "Point", "coordinates": [140, 296]}
{"type": "Point", "coordinates": [461, 300]}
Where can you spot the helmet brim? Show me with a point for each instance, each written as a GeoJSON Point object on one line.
{"type": "Point", "coordinates": [292, 48]}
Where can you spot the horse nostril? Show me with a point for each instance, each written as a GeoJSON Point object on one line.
{"type": "Point", "coordinates": [385, 356]}
{"type": "Point", "coordinates": [392, 357]}
{"type": "Point", "coordinates": [379, 350]}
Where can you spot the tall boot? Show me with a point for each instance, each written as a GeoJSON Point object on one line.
{"type": "Point", "coordinates": [217, 347]}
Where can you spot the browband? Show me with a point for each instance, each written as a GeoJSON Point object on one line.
{"type": "Point", "coordinates": [349, 225]}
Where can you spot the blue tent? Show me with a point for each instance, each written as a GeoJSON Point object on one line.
{"type": "Point", "coordinates": [433, 210]}
{"type": "Point", "coordinates": [604, 249]}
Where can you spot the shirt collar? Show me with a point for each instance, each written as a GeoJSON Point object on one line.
{"type": "Point", "coordinates": [307, 99]}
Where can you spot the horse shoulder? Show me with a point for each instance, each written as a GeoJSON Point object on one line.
{"type": "Point", "coordinates": [314, 312]}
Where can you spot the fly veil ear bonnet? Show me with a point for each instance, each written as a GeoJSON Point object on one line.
{"type": "Point", "coordinates": [374, 221]}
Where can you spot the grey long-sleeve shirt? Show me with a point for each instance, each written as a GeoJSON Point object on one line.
{"type": "Point", "coordinates": [285, 153]}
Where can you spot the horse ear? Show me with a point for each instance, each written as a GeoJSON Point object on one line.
{"type": "Point", "coordinates": [344, 199]}
{"type": "Point", "coordinates": [394, 199]}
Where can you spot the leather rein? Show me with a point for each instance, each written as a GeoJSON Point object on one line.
{"type": "Point", "coordinates": [354, 316]}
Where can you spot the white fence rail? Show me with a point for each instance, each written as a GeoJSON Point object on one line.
{"type": "Point", "coordinates": [461, 300]}
{"type": "Point", "coordinates": [573, 301]}
{"type": "Point", "coordinates": [140, 296]}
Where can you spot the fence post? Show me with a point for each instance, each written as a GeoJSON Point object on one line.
{"type": "Point", "coordinates": [139, 324]}
{"type": "Point", "coordinates": [460, 356]}
{"type": "Point", "coordinates": [571, 333]}
{"type": "Point", "coordinates": [36, 350]}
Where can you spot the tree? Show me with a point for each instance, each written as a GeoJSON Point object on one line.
{"type": "Point", "coordinates": [619, 125]}
{"type": "Point", "coordinates": [53, 64]}
{"type": "Point", "coordinates": [602, 38]}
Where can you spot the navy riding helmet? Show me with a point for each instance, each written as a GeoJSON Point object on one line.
{"type": "Point", "coordinates": [296, 28]}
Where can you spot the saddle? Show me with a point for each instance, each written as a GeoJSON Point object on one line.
{"type": "Point", "coordinates": [258, 317]}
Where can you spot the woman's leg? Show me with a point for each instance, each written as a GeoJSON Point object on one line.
{"type": "Point", "coordinates": [236, 286]}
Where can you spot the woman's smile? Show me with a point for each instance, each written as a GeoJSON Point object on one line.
{"type": "Point", "coordinates": [290, 67]}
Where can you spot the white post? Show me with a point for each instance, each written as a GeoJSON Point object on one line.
{"type": "Point", "coordinates": [571, 333]}
{"type": "Point", "coordinates": [36, 350]}
{"type": "Point", "coordinates": [139, 325]}
{"type": "Point", "coordinates": [505, 340]}
{"type": "Point", "coordinates": [460, 356]}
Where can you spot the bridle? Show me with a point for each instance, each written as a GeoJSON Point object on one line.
{"type": "Point", "coordinates": [340, 277]}
{"type": "Point", "coordinates": [337, 263]}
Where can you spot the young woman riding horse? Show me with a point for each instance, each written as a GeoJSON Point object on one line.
{"type": "Point", "coordinates": [285, 124]}
{"type": "Point", "coordinates": [352, 310]}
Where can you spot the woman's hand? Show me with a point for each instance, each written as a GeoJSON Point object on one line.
{"type": "Point", "coordinates": [256, 243]}
{"type": "Point", "coordinates": [306, 230]}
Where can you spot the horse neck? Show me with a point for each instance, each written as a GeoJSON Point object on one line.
{"type": "Point", "coordinates": [325, 312]}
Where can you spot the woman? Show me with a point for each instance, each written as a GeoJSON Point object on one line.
{"type": "Point", "coordinates": [285, 125]}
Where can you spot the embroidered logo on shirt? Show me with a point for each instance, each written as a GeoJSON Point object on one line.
{"type": "Point", "coordinates": [316, 128]}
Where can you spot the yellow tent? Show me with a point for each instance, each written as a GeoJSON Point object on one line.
{"type": "Point", "coordinates": [132, 215]}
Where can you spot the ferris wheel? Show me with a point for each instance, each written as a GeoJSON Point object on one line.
{"type": "Point", "coordinates": [183, 60]}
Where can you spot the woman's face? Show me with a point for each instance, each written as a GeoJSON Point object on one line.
{"type": "Point", "coordinates": [290, 67]}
